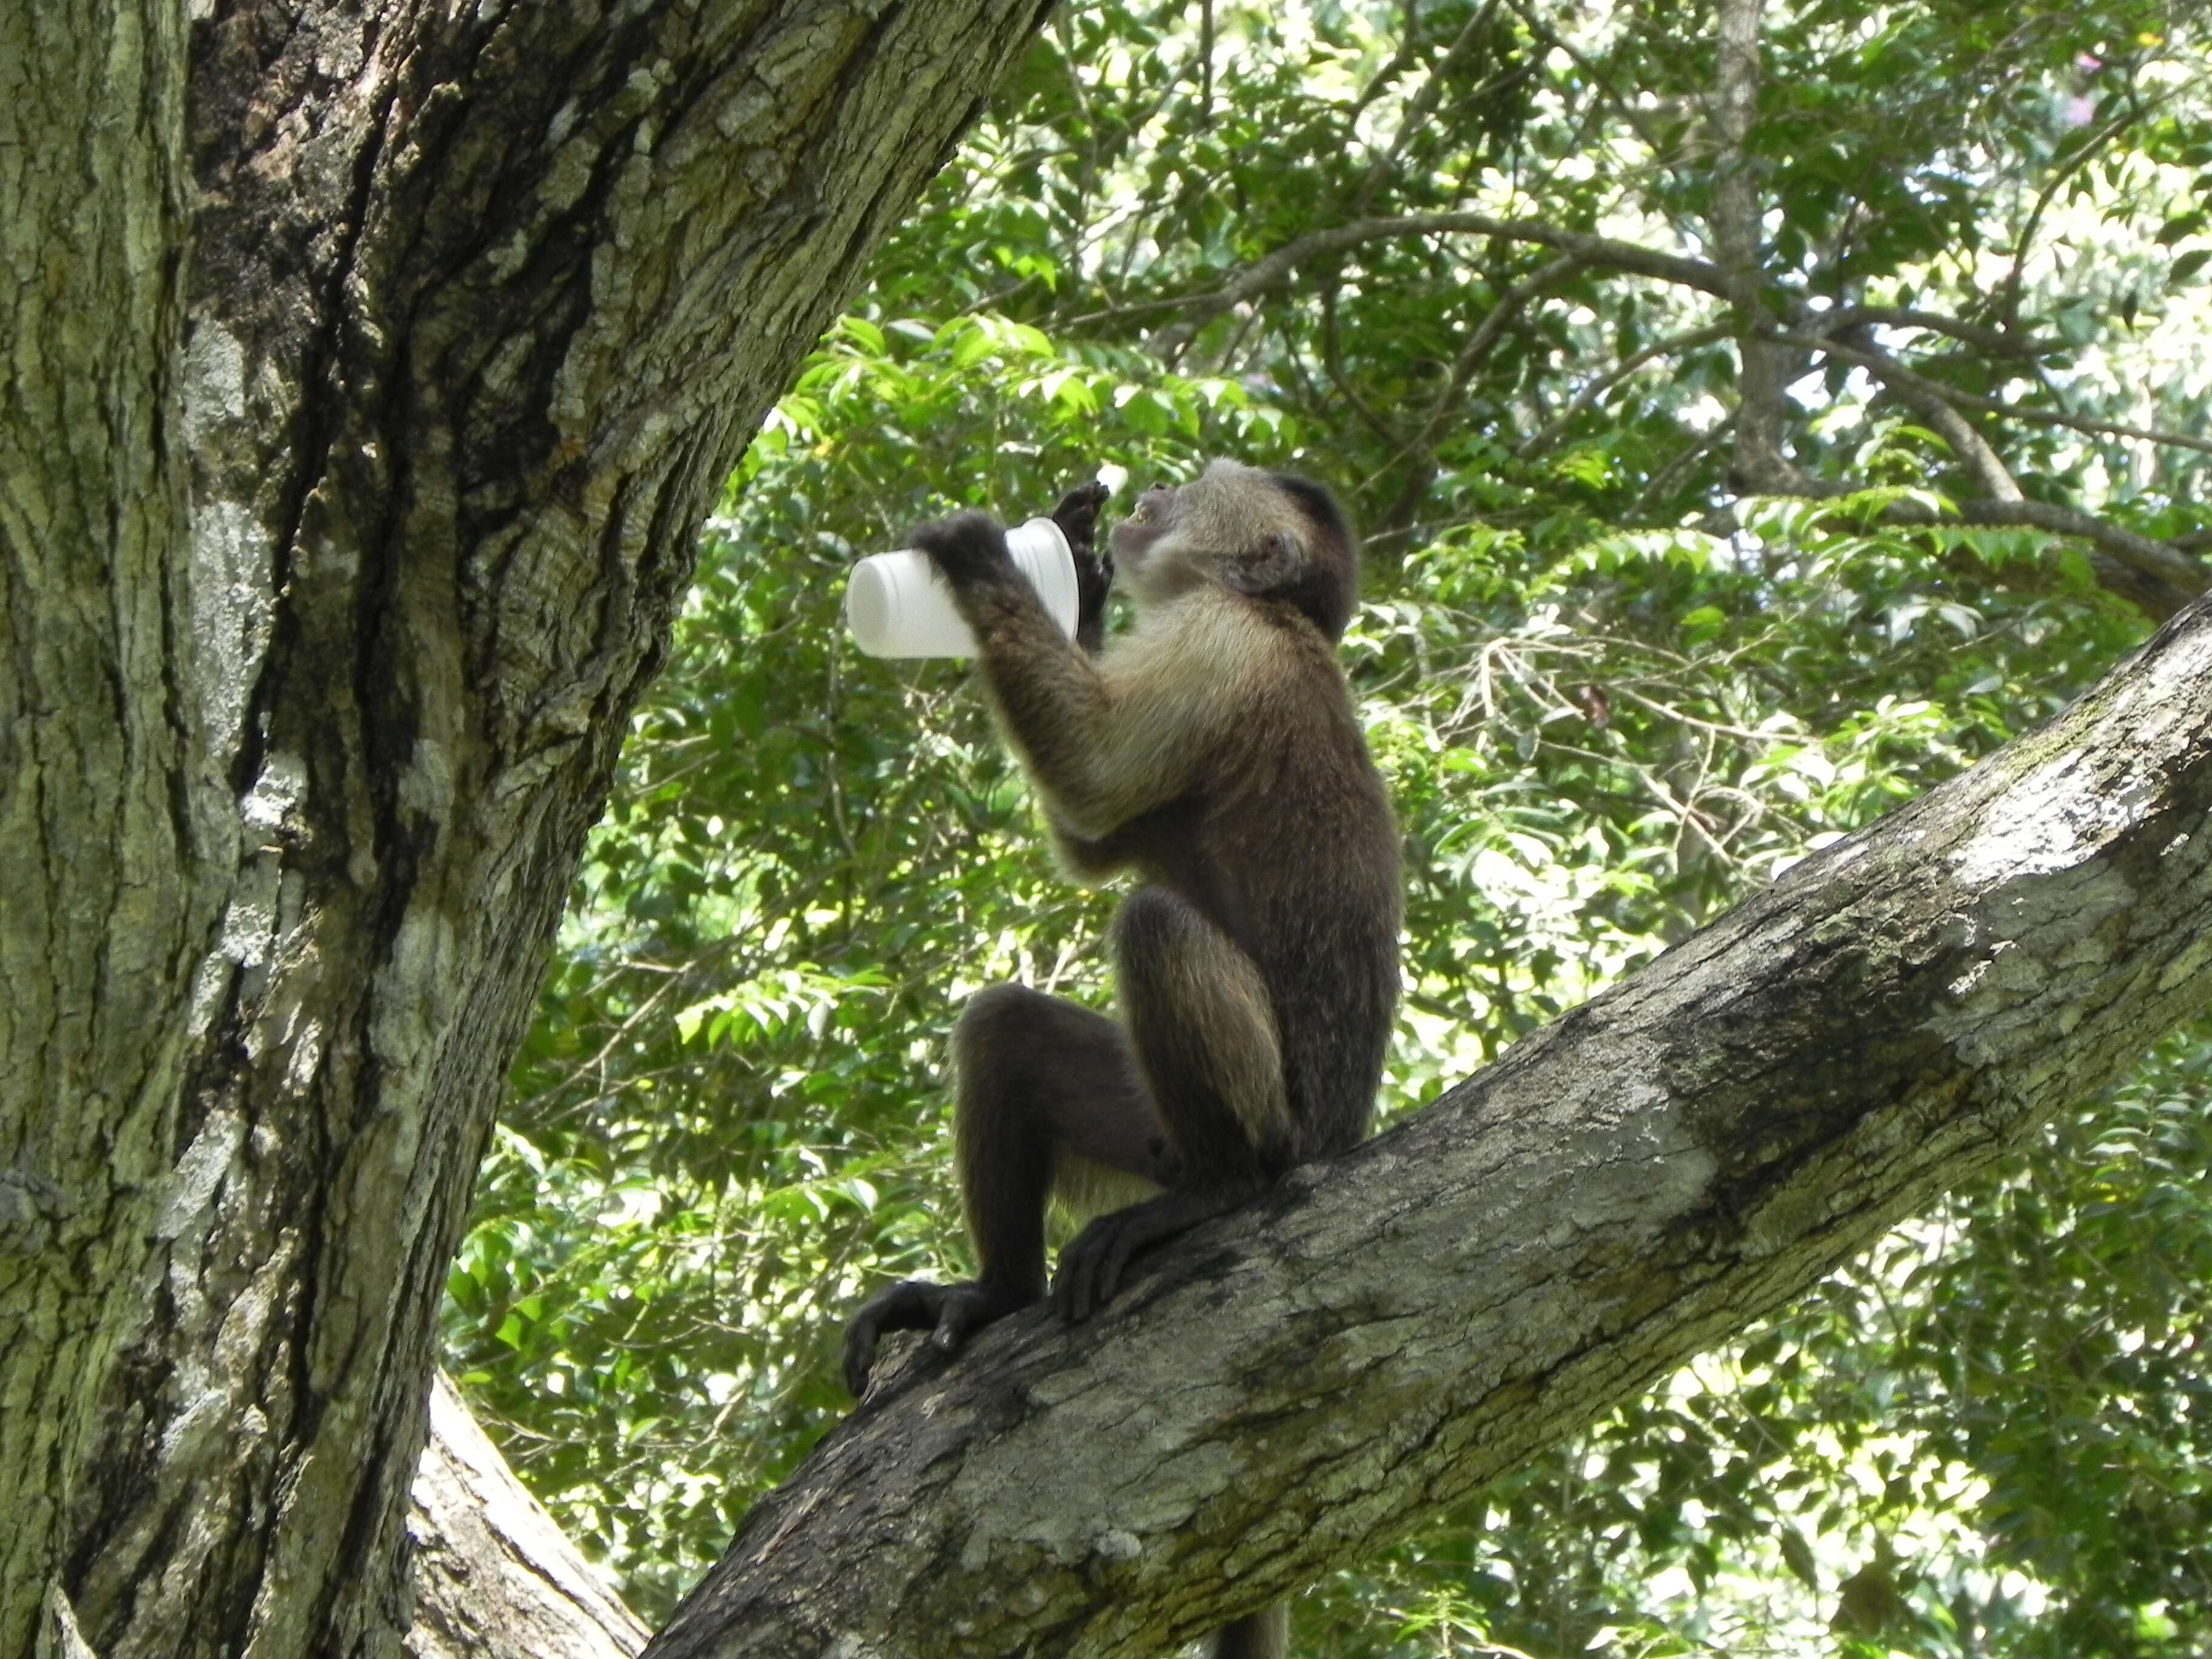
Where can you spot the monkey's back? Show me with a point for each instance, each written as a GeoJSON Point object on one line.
{"type": "Point", "coordinates": [1291, 848]}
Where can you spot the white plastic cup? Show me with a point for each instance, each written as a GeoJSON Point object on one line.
{"type": "Point", "coordinates": [897, 606]}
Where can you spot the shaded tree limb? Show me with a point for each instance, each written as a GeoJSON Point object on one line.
{"type": "Point", "coordinates": [1990, 342]}
{"type": "Point", "coordinates": [1419, 449]}
{"type": "Point", "coordinates": [1478, 344]}
{"type": "Point", "coordinates": [2090, 143]}
{"type": "Point", "coordinates": [1423, 103]}
{"type": "Point", "coordinates": [2157, 598]}
{"type": "Point", "coordinates": [1274, 270]}
{"type": "Point", "coordinates": [1767, 365]}
{"type": "Point", "coordinates": [1297, 1384]}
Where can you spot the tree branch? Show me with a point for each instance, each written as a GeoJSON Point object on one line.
{"type": "Point", "coordinates": [1897, 374]}
{"type": "Point", "coordinates": [1292, 1386]}
{"type": "Point", "coordinates": [1937, 405]}
{"type": "Point", "coordinates": [1423, 103]}
{"type": "Point", "coordinates": [2009, 291]}
{"type": "Point", "coordinates": [1994, 342]}
{"type": "Point", "coordinates": [1768, 366]}
{"type": "Point", "coordinates": [1274, 270]}
{"type": "Point", "coordinates": [494, 1577]}
{"type": "Point", "coordinates": [1495, 321]}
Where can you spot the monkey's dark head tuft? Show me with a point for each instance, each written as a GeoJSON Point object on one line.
{"type": "Point", "coordinates": [1271, 535]}
{"type": "Point", "coordinates": [1328, 585]}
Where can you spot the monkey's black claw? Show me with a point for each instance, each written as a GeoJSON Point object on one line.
{"type": "Point", "coordinates": [905, 1306]}
{"type": "Point", "coordinates": [1091, 1265]}
{"type": "Point", "coordinates": [950, 1313]}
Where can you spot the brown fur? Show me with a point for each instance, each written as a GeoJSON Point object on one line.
{"type": "Point", "coordinates": [1212, 749]}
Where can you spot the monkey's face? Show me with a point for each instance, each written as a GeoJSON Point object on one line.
{"type": "Point", "coordinates": [1152, 517]}
{"type": "Point", "coordinates": [1266, 534]}
{"type": "Point", "coordinates": [1138, 556]}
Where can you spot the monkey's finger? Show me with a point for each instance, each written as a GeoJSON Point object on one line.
{"type": "Point", "coordinates": [1119, 1249]}
{"type": "Point", "coordinates": [1077, 513]}
{"type": "Point", "coordinates": [1076, 1289]}
{"type": "Point", "coordinates": [859, 1353]}
{"type": "Point", "coordinates": [1068, 1301]}
{"type": "Point", "coordinates": [967, 545]}
{"type": "Point", "coordinates": [912, 1305]}
{"type": "Point", "coordinates": [960, 1318]}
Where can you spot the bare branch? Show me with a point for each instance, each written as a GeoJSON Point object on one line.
{"type": "Point", "coordinates": [2136, 567]}
{"type": "Point", "coordinates": [2009, 304]}
{"type": "Point", "coordinates": [1768, 366]}
{"type": "Point", "coordinates": [1511, 304]}
{"type": "Point", "coordinates": [1630, 116]}
{"type": "Point", "coordinates": [2153, 559]}
{"type": "Point", "coordinates": [1925, 400]}
{"type": "Point", "coordinates": [1995, 342]}
{"type": "Point", "coordinates": [1940, 407]}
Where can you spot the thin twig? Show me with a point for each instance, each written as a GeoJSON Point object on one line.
{"type": "Point", "coordinates": [1690, 340]}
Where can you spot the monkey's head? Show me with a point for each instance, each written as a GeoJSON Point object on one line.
{"type": "Point", "coordinates": [1270, 535]}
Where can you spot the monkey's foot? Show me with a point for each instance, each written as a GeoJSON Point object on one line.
{"type": "Point", "coordinates": [951, 1313]}
{"type": "Point", "coordinates": [1091, 1265]}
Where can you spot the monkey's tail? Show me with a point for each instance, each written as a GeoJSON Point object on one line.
{"type": "Point", "coordinates": [1262, 1635]}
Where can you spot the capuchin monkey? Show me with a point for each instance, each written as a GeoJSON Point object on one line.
{"type": "Point", "coordinates": [1212, 750]}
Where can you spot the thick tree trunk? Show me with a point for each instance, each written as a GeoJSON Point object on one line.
{"type": "Point", "coordinates": [1298, 1383]}
{"type": "Point", "coordinates": [332, 557]}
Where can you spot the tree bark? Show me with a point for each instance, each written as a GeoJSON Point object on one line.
{"type": "Point", "coordinates": [1765, 367]}
{"type": "Point", "coordinates": [369, 369]}
{"type": "Point", "coordinates": [1292, 1386]}
{"type": "Point", "coordinates": [493, 1577]}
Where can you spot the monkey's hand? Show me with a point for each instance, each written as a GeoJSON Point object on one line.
{"type": "Point", "coordinates": [1091, 1265]}
{"type": "Point", "coordinates": [969, 549]}
{"type": "Point", "coordinates": [951, 1313]}
{"type": "Point", "coordinates": [1077, 515]}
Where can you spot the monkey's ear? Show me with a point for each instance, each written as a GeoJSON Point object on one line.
{"type": "Point", "coordinates": [1272, 566]}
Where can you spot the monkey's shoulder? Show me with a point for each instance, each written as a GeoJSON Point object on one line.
{"type": "Point", "coordinates": [1214, 645]}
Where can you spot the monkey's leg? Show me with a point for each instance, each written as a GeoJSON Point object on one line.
{"type": "Point", "coordinates": [1205, 1043]}
{"type": "Point", "coordinates": [1048, 1096]}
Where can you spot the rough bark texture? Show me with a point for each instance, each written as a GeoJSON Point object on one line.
{"type": "Point", "coordinates": [493, 1577]}
{"type": "Point", "coordinates": [340, 523]}
{"type": "Point", "coordinates": [1299, 1383]}
{"type": "Point", "coordinates": [1763, 382]}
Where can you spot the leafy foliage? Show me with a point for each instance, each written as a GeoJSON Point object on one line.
{"type": "Point", "coordinates": [1610, 695]}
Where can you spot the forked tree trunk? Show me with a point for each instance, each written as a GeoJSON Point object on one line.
{"type": "Point", "coordinates": [1300, 1382]}
{"type": "Point", "coordinates": [365, 371]}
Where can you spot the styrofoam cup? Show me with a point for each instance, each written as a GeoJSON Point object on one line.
{"type": "Point", "coordinates": [897, 606]}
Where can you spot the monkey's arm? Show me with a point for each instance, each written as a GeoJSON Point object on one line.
{"type": "Point", "coordinates": [1105, 741]}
